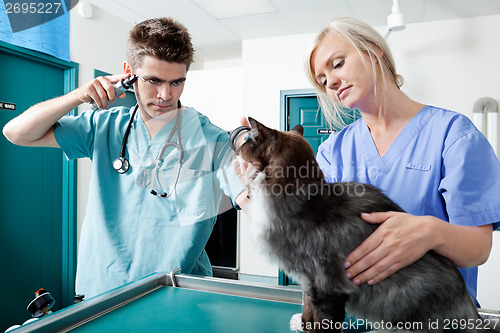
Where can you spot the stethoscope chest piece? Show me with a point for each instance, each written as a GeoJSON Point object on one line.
{"type": "Point", "coordinates": [121, 165]}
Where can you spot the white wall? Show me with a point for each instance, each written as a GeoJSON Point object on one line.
{"type": "Point", "coordinates": [269, 66]}
{"type": "Point", "coordinates": [217, 94]}
{"type": "Point", "coordinates": [95, 43]}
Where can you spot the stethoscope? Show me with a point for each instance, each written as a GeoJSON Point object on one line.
{"type": "Point", "coordinates": [121, 164]}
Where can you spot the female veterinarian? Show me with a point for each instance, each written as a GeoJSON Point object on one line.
{"type": "Point", "coordinates": [433, 162]}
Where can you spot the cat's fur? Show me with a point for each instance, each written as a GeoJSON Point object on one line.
{"type": "Point", "coordinates": [309, 227]}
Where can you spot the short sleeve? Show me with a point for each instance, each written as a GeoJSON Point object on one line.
{"type": "Point", "coordinates": [75, 135]}
{"type": "Point", "coordinates": [471, 181]}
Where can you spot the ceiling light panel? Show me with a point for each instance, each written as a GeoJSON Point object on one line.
{"type": "Point", "coordinates": [186, 12]}
{"type": "Point", "coordinates": [259, 26]}
{"type": "Point", "coordinates": [312, 21]}
{"type": "Point", "coordinates": [225, 9]}
{"type": "Point", "coordinates": [299, 5]}
{"type": "Point", "coordinates": [375, 14]}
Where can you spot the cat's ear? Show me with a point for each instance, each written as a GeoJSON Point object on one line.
{"type": "Point", "coordinates": [299, 129]}
{"type": "Point", "coordinates": [253, 123]}
{"type": "Point", "coordinates": [261, 129]}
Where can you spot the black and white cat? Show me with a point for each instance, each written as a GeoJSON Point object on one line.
{"type": "Point", "coordinates": [309, 227]}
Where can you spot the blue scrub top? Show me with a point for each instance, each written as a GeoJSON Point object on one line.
{"type": "Point", "coordinates": [127, 232]}
{"type": "Point", "coordinates": [439, 165]}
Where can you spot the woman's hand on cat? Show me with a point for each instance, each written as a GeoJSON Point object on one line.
{"type": "Point", "coordinates": [399, 241]}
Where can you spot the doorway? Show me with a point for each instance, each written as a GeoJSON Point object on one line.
{"type": "Point", "coordinates": [300, 107]}
{"type": "Point", "coordinates": [37, 206]}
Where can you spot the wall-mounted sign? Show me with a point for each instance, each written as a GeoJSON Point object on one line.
{"type": "Point", "coordinates": [325, 131]}
{"type": "Point", "coordinates": [7, 106]}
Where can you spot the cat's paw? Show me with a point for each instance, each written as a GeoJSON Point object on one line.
{"type": "Point", "coordinates": [296, 323]}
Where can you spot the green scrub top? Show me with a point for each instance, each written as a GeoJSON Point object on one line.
{"type": "Point", "coordinates": [127, 232]}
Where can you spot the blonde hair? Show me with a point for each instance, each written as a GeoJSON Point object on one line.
{"type": "Point", "coordinates": [367, 42]}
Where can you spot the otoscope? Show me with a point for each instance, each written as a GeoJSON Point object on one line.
{"type": "Point", "coordinates": [120, 87]}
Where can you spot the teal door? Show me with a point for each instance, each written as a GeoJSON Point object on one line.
{"type": "Point", "coordinates": [35, 232]}
{"type": "Point", "coordinates": [304, 110]}
{"type": "Point", "coordinates": [300, 107]}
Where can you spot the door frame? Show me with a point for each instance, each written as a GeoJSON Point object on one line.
{"type": "Point", "coordinates": [285, 96]}
{"type": "Point", "coordinates": [69, 173]}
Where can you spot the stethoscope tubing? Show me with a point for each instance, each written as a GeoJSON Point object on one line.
{"type": "Point", "coordinates": [121, 164]}
{"type": "Point", "coordinates": [127, 132]}
{"type": "Point", "coordinates": [168, 143]}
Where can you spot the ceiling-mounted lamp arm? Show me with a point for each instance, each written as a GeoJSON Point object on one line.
{"type": "Point", "coordinates": [387, 33]}
{"type": "Point", "coordinates": [395, 20]}
{"type": "Point", "coordinates": [395, 6]}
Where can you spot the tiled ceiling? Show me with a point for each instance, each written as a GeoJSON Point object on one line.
{"type": "Point", "coordinates": [219, 26]}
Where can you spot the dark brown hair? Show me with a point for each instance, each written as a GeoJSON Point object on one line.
{"type": "Point", "coordinates": [162, 38]}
